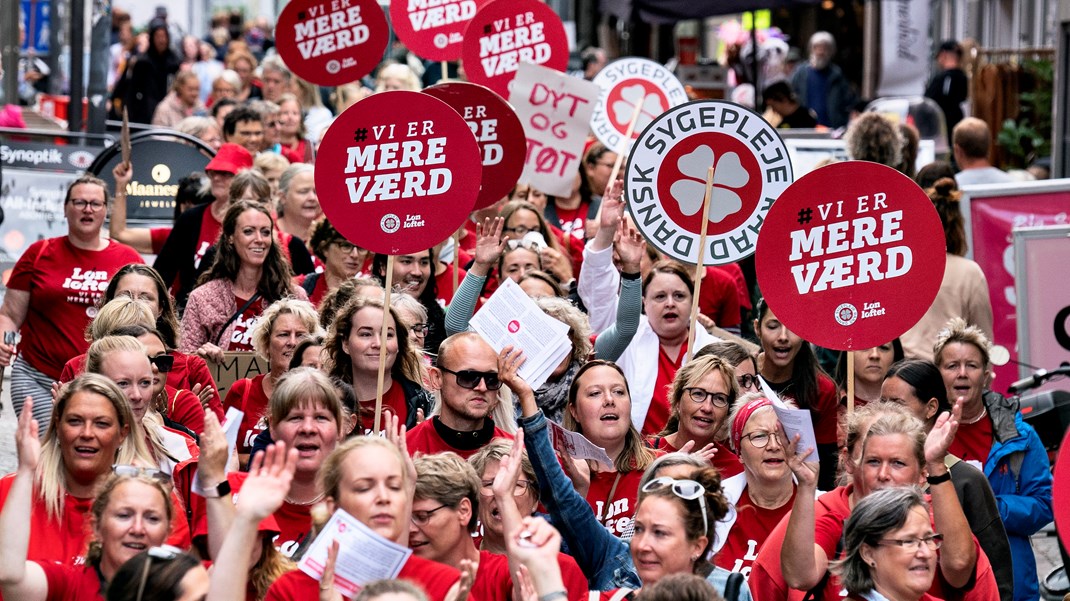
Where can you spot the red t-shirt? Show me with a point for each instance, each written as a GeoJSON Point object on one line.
{"type": "Point", "coordinates": [494, 581]}
{"type": "Point", "coordinates": [425, 439]}
{"type": "Point", "coordinates": [734, 270]}
{"type": "Point", "coordinates": [615, 508]}
{"type": "Point", "coordinates": [158, 235]}
{"type": "Point", "coordinates": [67, 583]}
{"type": "Point", "coordinates": [718, 298]}
{"type": "Point", "coordinates": [751, 529]}
{"type": "Point", "coordinates": [207, 237]}
{"type": "Point", "coordinates": [248, 395]}
{"type": "Point", "coordinates": [571, 221]}
{"type": "Point", "coordinates": [393, 399]}
{"type": "Point", "coordinates": [434, 578]}
{"type": "Point", "coordinates": [658, 413]}
{"type": "Point", "coordinates": [65, 283]}
{"type": "Point", "coordinates": [295, 521]}
{"type": "Point", "coordinates": [185, 408]}
{"type": "Point", "coordinates": [241, 339]}
{"type": "Point", "coordinates": [973, 441]}
{"type": "Point", "coordinates": [444, 283]}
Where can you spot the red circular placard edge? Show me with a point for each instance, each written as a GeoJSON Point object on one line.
{"type": "Point", "coordinates": [707, 260]}
{"type": "Point", "coordinates": [378, 28]}
{"type": "Point", "coordinates": [427, 49]}
{"type": "Point", "coordinates": [810, 332]}
{"type": "Point", "coordinates": [1061, 491]}
{"type": "Point", "coordinates": [560, 58]}
{"type": "Point", "coordinates": [604, 95]}
{"type": "Point", "coordinates": [507, 182]}
{"type": "Point", "coordinates": [415, 246]}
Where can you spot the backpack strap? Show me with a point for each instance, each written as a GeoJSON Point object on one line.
{"type": "Point", "coordinates": [732, 586]}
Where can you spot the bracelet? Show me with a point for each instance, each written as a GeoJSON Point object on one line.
{"type": "Point", "coordinates": [934, 480]}
{"type": "Point", "coordinates": [554, 596]}
{"type": "Point", "coordinates": [630, 276]}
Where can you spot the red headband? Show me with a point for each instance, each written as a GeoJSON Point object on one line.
{"type": "Point", "coordinates": [741, 420]}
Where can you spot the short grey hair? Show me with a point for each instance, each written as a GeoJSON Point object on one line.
{"type": "Point", "coordinates": [274, 63]}
{"type": "Point", "coordinates": [823, 37]}
{"type": "Point", "coordinates": [874, 516]}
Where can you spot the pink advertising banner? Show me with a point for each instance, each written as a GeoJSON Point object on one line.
{"type": "Point", "coordinates": [1041, 253]}
{"type": "Point", "coordinates": [991, 213]}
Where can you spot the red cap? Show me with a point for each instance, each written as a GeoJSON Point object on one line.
{"type": "Point", "coordinates": [231, 158]}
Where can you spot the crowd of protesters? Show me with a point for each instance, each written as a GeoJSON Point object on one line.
{"type": "Point", "coordinates": [928, 489]}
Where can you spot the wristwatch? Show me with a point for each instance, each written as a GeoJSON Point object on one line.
{"type": "Point", "coordinates": [933, 480]}
{"type": "Point", "coordinates": [219, 490]}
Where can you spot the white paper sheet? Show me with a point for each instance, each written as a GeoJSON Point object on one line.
{"type": "Point", "coordinates": [509, 317]}
{"type": "Point", "coordinates": [363, 555]}
{"type": "Point", "coordinates": [794, 421]}
{"type": "Point", "coordinates": [577, 445]}
{"type": "Point", "coordinates": [231, 425]}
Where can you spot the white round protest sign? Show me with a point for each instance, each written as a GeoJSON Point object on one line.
{"type": "Point", "coordinates": [665, 182]}
{"type": "Point", "coordinates": [626, 84]}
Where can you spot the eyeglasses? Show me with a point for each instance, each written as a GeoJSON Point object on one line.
{"type": "Point", "coordinates": [469, 378]}
{"type": "Point", "coordinates": [747, 381]}
{"type": "Point", "coordinates": [520, 229]}
{"type": "Point", "coordinates": [94, 205]}
{"type": "Point", "coordinates": [421, 518]}
{"type": "Point", "coordinates": [486, 490]}
{"type": "Point", "coordinates": [688, 490]}
{"type": "Point", "coordinates": [933, 541]}
{"type": "Point", "coordinates": [133, 471]}
{"type": "Point", "coordinates": [164, 362]}
{"type": "Point", "coordinates": [760, 439]}
{"type": "Point", "coordinates": [701, 395]}
{"type": "Point", "coordinates": [163, 553]}
{"type": "Point", "coordinates": [345, 246]}
{"type": "Point", "coordinates": [420, 329]}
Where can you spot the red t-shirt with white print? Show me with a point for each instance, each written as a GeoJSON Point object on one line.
{"type": "Point", "coordinates": [65, 282]}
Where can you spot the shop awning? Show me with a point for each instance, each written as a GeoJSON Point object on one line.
{"type": "Point", "coordinates": [671, 11]}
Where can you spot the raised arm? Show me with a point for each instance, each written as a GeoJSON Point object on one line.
{"type": "Point", "coordinates": [598, 279]}
{"type": "Point", "coordinates": [611, 343]}
{"type": "Point", "coordinates": [140, 238]}
{"type": "Point", "coordinates": [489, 246]}
{"type": "Point", "coordinates": [12, 314]}
{"type": "Point", "coordinates": [802, 560]}
{"type": "Point", "coordinates": [19, 578]}
{"type": "Point", "coordinates": [958, 556]}
{"type": "Point", "coordinates": [263, 492]}
{"type": "Point", "coordinates": [212, 470]}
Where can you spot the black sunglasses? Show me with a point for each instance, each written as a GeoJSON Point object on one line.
{"type": "Point", "coordinates": [469, 378]}
{"type": "Point", "coordinates": [164, 362]}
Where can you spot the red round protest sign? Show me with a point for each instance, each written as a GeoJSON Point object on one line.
{"type": "Point", "coordinates": [331, 42]}
{"type": "Point", "coordinates": [498, 130]}
{"type": "Point", "coordinates": [851, 255]}
{"type": "Point", "coordinates": [665, 181]}
{"type": "Point", "coordinates": [398, 181]}
{"type": "Point", "coordinates": [505, 32]}
{"type": "Point", "coordinates": [433, 28]}
{"type": "Point", "coordinates": [1060, 488]}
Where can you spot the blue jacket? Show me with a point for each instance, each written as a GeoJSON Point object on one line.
{"type": "Point", "coordinates": [1020, 474]}
{"type": "Point", "coordinates": [605, 559]}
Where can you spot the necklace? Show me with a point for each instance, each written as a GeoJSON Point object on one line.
{"type": "Point", "coordinates": [984, 412]}
{"type": "Point", "coordinates": [317, 499]}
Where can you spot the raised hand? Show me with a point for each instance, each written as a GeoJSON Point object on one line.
{"type": "Point", "coordinates": [210, 352]}
{"type": "Point", "coordinates": [509, 362]}
{"type": "Point", "coordinates": [270, 476]}
{"type": "Point", "coordinates": [122, 174]}
{"type": "Point", "coordinates": [26, 442]}
{"type": "Point", "coordinates": [577, 470]}
{"type": "Point", "coordinates": [556, 264]}
{"type": "Point", "coordinates": [509, 469]}
{"type": "Point", "coordinates": [327, 590]}
{"type": "Point", "coordinates": [395, 433]}
{"type": "Point", "coordinates": [489, 245]}
{"type": "Point", "coordinates": [706, 453]}
{"type": "Point", "coordinates": [612, 211]}
{"type": "Point", "coordinates": [468, 578]}
{"type": "Point", "coordinates": [212, 464]}
{"type": "Point", "coordinates": [630, 246]}
{"type": "Point", "coordinates": [534, 544]}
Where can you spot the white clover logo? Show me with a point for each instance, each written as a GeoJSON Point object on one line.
{"type": "Point", "coordinates": [632, 96]}
{"type": "Point", "coordinates": [728, 176]}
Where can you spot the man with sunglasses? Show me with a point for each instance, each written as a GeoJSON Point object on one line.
{"type": "Point", "coordinates": [466, 378]}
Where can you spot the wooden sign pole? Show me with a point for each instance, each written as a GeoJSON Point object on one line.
{"type": "Point", "coordinates": [700, 268]}
{"type": "Point", "coordinates": [382, 343]}
{"type": "Point", "coordinates": [850, 382]}
{"type": "Point", "coordinates": [625, 141]}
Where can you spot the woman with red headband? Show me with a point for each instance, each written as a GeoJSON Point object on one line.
{"type": "Point", "coordinates": [760, 496]}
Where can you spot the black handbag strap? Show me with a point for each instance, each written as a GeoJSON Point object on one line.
{"type": "Point", "coordinates": [237, 314]}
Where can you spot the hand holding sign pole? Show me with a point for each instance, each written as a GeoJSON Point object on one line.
{"type": "Point", "coordinates": [699, 267]}
{"type": "Point", "coordinates": [382, 344]}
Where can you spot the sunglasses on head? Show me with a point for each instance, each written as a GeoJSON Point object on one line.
{"type": "Point", "coordinates": [133, 471]}
{"type": "Point", "coordinates": [685, 489]}
{"type": "Point", "coordinates": [164, 362]}
{"type": "Point", "coordinates": [469, 378]}
{"type": "Point", "coordinates": [162, 553]}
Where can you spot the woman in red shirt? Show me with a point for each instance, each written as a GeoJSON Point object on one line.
{"type": "Point", "coordinates": [789, 366]}
{"type": "Point", "coordinates": [278, 332]}
{"type": "Point", "coordinates": [53, 292]}
{"type": "Point", "coordinates": [599, 407]}
{"type": "Point", "coordinates": [131, 512]}
{"type": "Point", "coordinates": [353, 345]}
{"type": "Point", "coordinates": [370, 478]}
{"type": "Point", "coordinates": [701, 395]}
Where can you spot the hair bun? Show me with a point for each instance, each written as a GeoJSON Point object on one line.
{"type": "Point", "coordinates": [945, 186]}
